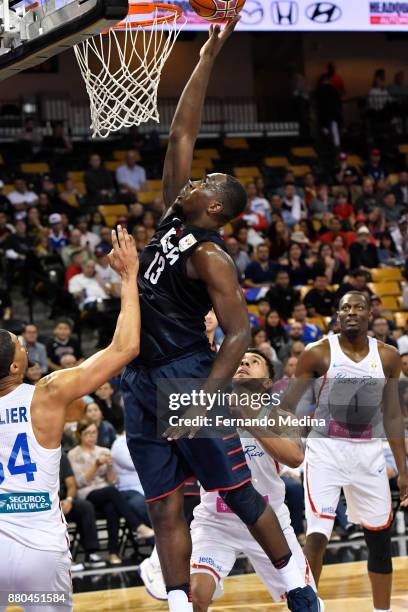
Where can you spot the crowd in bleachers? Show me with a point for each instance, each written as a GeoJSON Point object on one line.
{"type": "Point", "coordinates": [311, 232]}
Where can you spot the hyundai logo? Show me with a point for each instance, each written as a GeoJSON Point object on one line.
{"type": "Point", "coordinates": [252, 13]}
{"type": "Point", "coordinates": [323, 12]}
{"type": "Point", "coordinates": [285, 12]}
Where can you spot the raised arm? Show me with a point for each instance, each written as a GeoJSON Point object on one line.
{"type": "Point", "coordinates": [187, 119]}
{"type": "Point", "coordinates": [56, 391]}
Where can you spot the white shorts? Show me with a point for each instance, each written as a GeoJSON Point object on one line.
{"type": "Point", "coordinates": [357, 467]}
{"type": "Point", "coordinates": [216, 546]}
{"type": "Point", "coordinates": [24, 569]}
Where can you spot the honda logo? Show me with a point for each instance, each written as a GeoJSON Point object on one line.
{"type": "Point", "coordinates": [323, 12]}
{"type": "Point", "coordinates": [252, 13]}
{"type": "Point", "coordinates": [285, 12]}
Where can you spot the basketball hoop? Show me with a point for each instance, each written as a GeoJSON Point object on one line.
{"type": "Point", "coordinates": [122, 66]}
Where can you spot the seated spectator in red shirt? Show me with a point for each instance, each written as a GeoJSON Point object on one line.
{"type": "Point", "coordinates": [343, 209]}
{"type": "Point", "coordinates": [75, 267]}
{"type": "Point", "coordinates": [335, 230]}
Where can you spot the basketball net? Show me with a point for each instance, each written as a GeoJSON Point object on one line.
{"type": "Point", "coordinates": [122, 66]}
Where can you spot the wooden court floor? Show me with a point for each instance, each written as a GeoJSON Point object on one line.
{"type": "Point", "coordinates": [344, 588]}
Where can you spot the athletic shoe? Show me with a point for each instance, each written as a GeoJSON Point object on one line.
{"type": "Point", "coordinates": [303, 600]}
{"type": "Point", "coordinates": [77, 567]}
{"type": "Point", "coordinates": [152, 579]}
{"type": "Point", "coordinates": [353, 532]}
{"type": "Point", "coordinates": [94, 561]}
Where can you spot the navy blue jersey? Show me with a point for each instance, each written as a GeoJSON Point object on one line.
{"type": "Point", "coordinates": [173, 306]}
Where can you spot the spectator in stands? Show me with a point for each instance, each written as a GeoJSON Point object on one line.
{"type": "Point", "coordinates": [355, 281]}
{"type": "Point", "coordinates": [16, 249]}
{"type": "Point", "coordinates": [49, 187]}
{"type": "Point", "coordinates": [136, 212]}
{"type": "Point", "coordinates": [22, 197]}
{"type": "Point", "coordinates": [378, 96]}
{"type": "Point", "coordinates": [94, 474]}
{"type": "Point", "coordinates": [323, 202]}
{"type": "Point", "coordinates": [329, 109]}
{"type": "Point", "coordinates": [279, 239]}
{"type": "Point", "coordinates": [261, 272]}
{"type": "Point", "coordinates": [98, 181]}
{"type": "Point", "coordinates": [378, 310]}
{"type": "Point", "coordinates": [392, 210]}
{"type": "Point", "coordinates": [149, 222]}
{"type": "Point", "coordinates": [58, 143]}
{"type": "Point", "coordinates": [110, 405]}
{"type": "Point", "coordinates": [62, 343]}
{"type": "Point", "coordinates": [381, 331]}
{"type": "Point", "coordinates": [57, 238]}
{"type": "Point", "coordinates": [81, 512]}
{"type": "Point", "coordinates": [36, 350]}
{"type": "Point", "coordinates": [130, 177]}
{"type": "Point", "coordinates": [387, 252]}
{"type": "Point", "coordinates": [5, 305]}
{"type": "Point", "coordinates": [399, 233]}
{"type": "Point", "coordinates": [336, 229]}
{"type": "Point", "coordinates": [128, 483]}
{"type": "Point", "coordinates": [33, 374]}
{"type": "Point", "coordinates": [342, 208]}
{"type": "Point", "coordinates": [105, 235]}
{"type": "Point", "coordinates": [258, 337]}
{"type": "Point", "coordinates": [30, 134]}
{"type": "Point", "coordinates": [293, 206]}
{"type": "Point", "coordinates": [340, 252]}
{"type": "Point", "coordinates": [105, 272]}
{"type": "Point", "coordinates": [88, 287]}
{"type": "Point", "coordinates": [140, 235]}
{"type": "Point", "coordinates": [88, 239]}
{"type": "Point", "coordinates": [97, 222]}
{"type": "Point", "coordinates": [310, 332]}
{"type": "Point", "coordinates": [363, 254]}
{"type": "Point", "coordinates": [374, 168]}
{"type": "Point", "coordinates": [296, 264]}
{"type": "Point", "coordinates": [239, 257]}
{"type": "Point", "coordinates": [343, 166]}
{"type": "Point", "coordinates": [263, 309]}
{"type": "Point", "coordinates": [241, 235]}
{"type": "Point", "coordinates": [45, 207]}
{"type": "Point", "coordinates": [400, 189]}
{"type": "Point", "coordinates": [297, 347]}
{"type": "Point", "coordinates": [404, 366]}
{"type": "Point", "coordinates": [282, 296]}
{"type": "Point", "coordinates": [35, 229]}
{"type": "Point", "coordinates": [367, 201]}
{"type": "Point", "coordinates": [106, 431]}
{"type": "Point", "coordinates": [5, 227]}
{"type": "Point", "coordinates": [310, 188]}
{"type": "Point", "coordinates": [277, 334]}
{"type": "Point", "coordinates": [319, 300]}
{"type": "Point", "coordinates": [71, 198]}
{"type": "Point", "coordinates": [403, 339]}
{"type": "Point", "coordinates": [74, 247]}
{"type": "Point", "coordinates": [258, 204]}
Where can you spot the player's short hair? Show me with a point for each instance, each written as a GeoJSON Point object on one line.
{"type": "Point", "coordinates": [232, 196]}
{"type": "Point", "coordinates": [270, 366]}
{"type": "Point", "coordinates": [7, 350]}
{"type": "Point", "coordinates": [360, 294]}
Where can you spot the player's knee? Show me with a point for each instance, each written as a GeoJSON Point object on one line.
{"type": "Point", "coordinates": [201, 596]}
{"type": "Point", "coordinates": [316, 543]}
{"type": "Point", "coordinates": [165, 513]}
{"type": "Point", "coordinates": [245, 502]}
{"type": "Point", "coordinates": [379, 550]}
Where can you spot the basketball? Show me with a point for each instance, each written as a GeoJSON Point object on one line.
{"type": "Point", "coordinates": [217, 10]}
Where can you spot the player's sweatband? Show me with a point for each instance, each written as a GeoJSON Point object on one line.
{"type": "Point", "coordinates": [245, 502]}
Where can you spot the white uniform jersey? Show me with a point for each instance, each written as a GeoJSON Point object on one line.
{"type": "Point", "coordinates": [29, 479]}
{"type": "Point", "coordinates": [349, 396]}
{"type": "Point", "coordinates": [266, 480]}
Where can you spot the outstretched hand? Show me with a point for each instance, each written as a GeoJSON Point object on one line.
{"type": "Point", "coordinates": [123, 256]}
{"type": "Point", "coordinates": [217, 38]}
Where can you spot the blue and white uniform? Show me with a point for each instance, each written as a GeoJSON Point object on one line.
{"type": "Point", "coordinates": [347, 451]}
{"type": "Point", "coordinates": [34, 541]}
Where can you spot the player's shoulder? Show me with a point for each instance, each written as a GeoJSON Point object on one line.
{"type": "Point", "coordinates": [318, 347]}
{"type": "Point", "coordinates": [388, 353]}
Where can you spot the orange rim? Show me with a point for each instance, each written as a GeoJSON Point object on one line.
{"type": "Point", "coordinates": [144, 8]}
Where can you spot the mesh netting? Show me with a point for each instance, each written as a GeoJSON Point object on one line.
{"type": "Point", "coordinates": [122, 68]}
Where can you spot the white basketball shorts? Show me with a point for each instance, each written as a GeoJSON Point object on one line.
{"type": "Point", "coordinates": [27, 570]}
{"type": "Point", "coordinates": [217, 544]}
{"type": "Point", "coordinates": [357, 467]}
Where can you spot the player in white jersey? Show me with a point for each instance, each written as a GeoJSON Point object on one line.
{"type": "Point", "coordinates": [34, 542]}
{"type": "Point", "coordinates": [356, 395]}
{"type": "Point", "coordinates": [218, 536]}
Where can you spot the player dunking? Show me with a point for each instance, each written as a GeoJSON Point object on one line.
{"type": "Point", "coordinates": [34, 542]}
{"type": "Point", "coordinates": [184, 272]}
{"type": "Point", "coordinates": [357, 397]}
